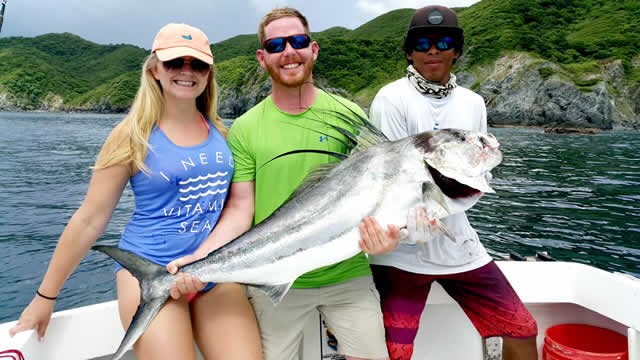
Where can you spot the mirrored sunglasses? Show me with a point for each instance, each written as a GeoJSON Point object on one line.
{"type": "Point", "coordinates": [278, 44]}
{"type": "Point", "coordinates": [443, 43]}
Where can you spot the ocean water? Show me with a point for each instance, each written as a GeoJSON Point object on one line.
{"type": "Point", "coordinates": [576, 197]}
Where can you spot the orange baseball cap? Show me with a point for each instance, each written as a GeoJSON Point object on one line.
{"type": "Point", "coordinates": [177, 40]}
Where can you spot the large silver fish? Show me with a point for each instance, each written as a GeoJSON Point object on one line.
{"type": "Point", "coordinates": [445, 171]}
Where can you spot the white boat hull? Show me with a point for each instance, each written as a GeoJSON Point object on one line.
{"type": "Point", "coordinates": [554, 292]}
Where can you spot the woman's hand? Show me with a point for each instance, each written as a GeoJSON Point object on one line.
{"type": "Point", "coordinates": [176, 264]}
{"type": "Point", "coordinates": [35, 316]}
{"type": "Point", "coordinates": [185, 283]}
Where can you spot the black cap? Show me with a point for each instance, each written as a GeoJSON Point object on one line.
{"type": "Point", "coordinates": [435, 17]}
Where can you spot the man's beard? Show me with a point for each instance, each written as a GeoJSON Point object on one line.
{"type": "Point", "coordinates": [274, 71]}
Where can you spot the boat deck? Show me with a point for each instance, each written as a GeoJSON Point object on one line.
{"type": "Point", "coordinates": [554, 292]}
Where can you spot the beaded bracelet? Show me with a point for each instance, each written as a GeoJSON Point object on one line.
{"type": "Point", "coordinates": [46, 297]}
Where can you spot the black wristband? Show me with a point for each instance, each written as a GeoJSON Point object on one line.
{"type": "Point", "coordinates": [46, 297]}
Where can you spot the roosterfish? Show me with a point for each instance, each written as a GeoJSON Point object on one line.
{"type": "Point", "coordinates": [445, 171]}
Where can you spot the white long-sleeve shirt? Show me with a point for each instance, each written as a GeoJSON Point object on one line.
{"type": "Point", "coordinates": [399, 110]}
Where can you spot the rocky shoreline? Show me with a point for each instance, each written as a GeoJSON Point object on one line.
{"type": "Point", "coordinates": [572, 131]}
{"type": "Point", "coordinates": [554, 129]}
{"type": "Point", "coordinates": [520, 90]}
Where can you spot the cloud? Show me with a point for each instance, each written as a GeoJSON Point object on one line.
{"type": "Point", "coordinates": [262, 7]}
{"type": "Point", "coordinates": [379, 7]}
{"type": "Point", "coordinates": [129, 21]}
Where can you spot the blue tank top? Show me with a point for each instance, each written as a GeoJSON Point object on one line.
{"type": "Point", "coordinates": [179, 201]}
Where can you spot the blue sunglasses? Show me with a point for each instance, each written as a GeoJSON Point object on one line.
{"type": "Point", "coordinates": [278, 44]}
{"type": "Point", "coordinates": [443, 43]}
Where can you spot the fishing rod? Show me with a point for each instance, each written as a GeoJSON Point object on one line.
{"type": "Point", "coordinates": [2, 7]}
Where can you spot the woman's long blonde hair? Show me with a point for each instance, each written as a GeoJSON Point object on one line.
{"type": "Point", "coordinates": [128, 143]}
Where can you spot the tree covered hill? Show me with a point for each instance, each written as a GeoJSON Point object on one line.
{"type": "Point", "coordinates": [65, 66]}
{"type": "Point", "coordinates": [67, 70]}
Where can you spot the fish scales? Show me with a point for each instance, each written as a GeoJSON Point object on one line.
{"type": "Point", "coordinates": [295, 223]}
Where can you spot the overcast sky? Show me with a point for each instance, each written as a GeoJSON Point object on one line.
{"type": "Point", "coordinates": [137, 21]}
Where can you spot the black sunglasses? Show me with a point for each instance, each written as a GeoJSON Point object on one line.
{"type": "Point", "coordinates": [443, 43]}
{"type": "Point", "coordinates": [278, 44]}
{"type": "Point", "coordinates": [197, 66]}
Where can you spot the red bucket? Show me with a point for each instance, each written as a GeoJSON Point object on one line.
{"type": "Point", "coordinates": [584, 342]}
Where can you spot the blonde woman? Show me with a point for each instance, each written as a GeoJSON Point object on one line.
{"type": "Point", "coordinates": [171, 147]}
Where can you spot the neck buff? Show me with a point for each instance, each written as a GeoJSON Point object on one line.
{"type": "Point", "coordinates": [430, 88]}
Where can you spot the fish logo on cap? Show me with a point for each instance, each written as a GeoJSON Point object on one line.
{"type": "Point", "coordinates": [187, 37]}
{"type": "Point", "coordinates": [435, 17]}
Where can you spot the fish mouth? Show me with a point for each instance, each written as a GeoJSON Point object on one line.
{"type": "Point", "coordinates": [450, 187]}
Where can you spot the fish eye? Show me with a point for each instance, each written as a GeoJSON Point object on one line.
{"type": "Point", "coordinates": [459, 135]}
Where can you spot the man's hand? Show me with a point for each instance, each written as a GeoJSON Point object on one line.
{"type": "Point", "coordinates": [421, 226]}
{"type": "Point", "coordinates": [374, 240]}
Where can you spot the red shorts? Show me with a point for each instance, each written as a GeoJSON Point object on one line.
{"type": "Point", "coordinates": [484, 294]}
{"type": "Point", "coordinates": [192, 296]}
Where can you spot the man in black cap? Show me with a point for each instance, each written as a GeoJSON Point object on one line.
{"type": "Point", "coordinates": [428, 98]}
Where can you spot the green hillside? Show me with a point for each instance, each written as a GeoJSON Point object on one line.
{"type": "Point", "coordinates": [576, 34]}
{"type": "Point", "coordinates": [65, 65]}
{"type": "Point", "coordinates": [335, 31]}
{"type": "Point", "coordinates": [562, 31]}
{"type": "Point", "coordinates": [241, 45]}
{"type": "Point", "coordinates": [390, 25]}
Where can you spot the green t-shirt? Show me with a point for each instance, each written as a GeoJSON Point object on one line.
{"type": "Point", "coordinates": [265, 132]}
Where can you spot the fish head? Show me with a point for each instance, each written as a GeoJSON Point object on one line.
{"type": "Point", "coordinates": [459, 161]}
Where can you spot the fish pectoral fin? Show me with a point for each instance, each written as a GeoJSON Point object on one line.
{"type": "Point", "coordinates": [146, 311]}
{"type": "Point", "coordinates": [431, 191]}
{"type": "Point", "coordinates": [440, 225]}
{"type": "Point", "coordinates": [275, 292]}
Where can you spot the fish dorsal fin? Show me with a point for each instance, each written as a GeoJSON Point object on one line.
{"type": "Point", "coordinates": [363, 133]}
{"type": "Point", "coordinates": [274, 292]}
{"type": "Point", "coordinates": [336, 155]}
{"type": "Point", "coordinates": [358, 132]}
{"type": "Point", "coordinates": [348, 127]}
{"type": "Point", "coordinates": [316, 175]}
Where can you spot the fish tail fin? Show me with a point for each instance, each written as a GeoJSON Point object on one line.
{"type": "Point", "coordinates": [139, 267]}
{"type": "Point", "coordinates": [149, 275]}
{"type": "Point", "coordinates": [144, 314]}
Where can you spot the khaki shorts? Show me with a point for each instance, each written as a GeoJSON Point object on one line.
{"type": "Point", "coordinates": [351, 309]}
